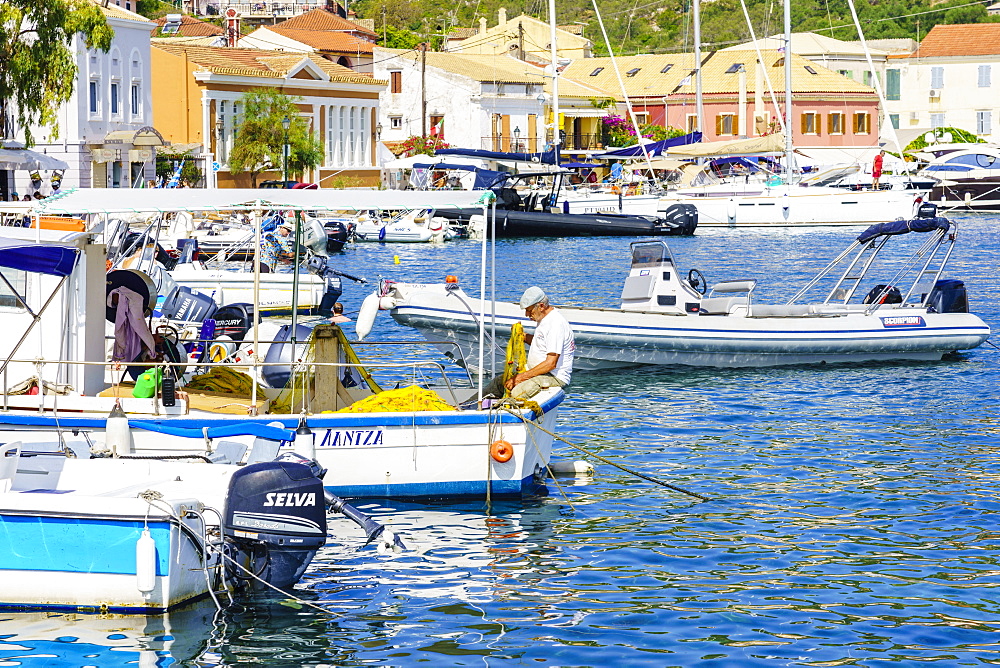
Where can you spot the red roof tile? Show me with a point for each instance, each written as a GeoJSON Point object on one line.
{"type": "Point", "coordinates": [327, 40]}
{"type": "Point", "coordinates": [190, 27]}
{"type": "Point", "coordinates": [320, 19]}
{"type": "Point", "coordinates": [963, 39]}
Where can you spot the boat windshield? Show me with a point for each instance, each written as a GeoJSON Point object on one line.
{"type": "Point", "coordinates": [650, 253]}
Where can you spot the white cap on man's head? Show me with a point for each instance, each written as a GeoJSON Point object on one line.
{"type": "Point", "coordinates": [532, 296]}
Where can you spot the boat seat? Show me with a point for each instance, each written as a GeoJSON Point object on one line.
{"type": "Point", "coordinates": [264, 449]}
{"type": "Point", "coordinates": [228, 452]}
{"type": "Point", "coordinates": [779, 310]}
{"type": "Point", "coordinates": [722, 305]}
{"type": "Point", "coordinates": [10, 454]}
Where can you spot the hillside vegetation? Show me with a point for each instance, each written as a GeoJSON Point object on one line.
{"type": "Point", "coordinates": [660, 26]}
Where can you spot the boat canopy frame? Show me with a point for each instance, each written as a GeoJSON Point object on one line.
{"type": "Point", "coordinates": [920, 271]}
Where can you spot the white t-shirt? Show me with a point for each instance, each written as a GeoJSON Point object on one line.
{"type": "Point", "coordinates": [553, 335]}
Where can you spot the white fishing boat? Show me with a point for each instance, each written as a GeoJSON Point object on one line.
{"type": "Point", "coordinates": [850, 312]}
{"type": "Point", "coordinates": [414, 226]}
{"type": "Point", "coordinates": [456, 449]}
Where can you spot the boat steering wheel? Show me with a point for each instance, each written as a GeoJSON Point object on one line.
{"type": "Point", "coordinates": [697, 280]}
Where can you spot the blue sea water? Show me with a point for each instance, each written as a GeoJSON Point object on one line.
{"type": "Point", "coordinates": [852, 520]}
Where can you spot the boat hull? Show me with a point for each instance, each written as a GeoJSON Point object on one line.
{"type": "Point", "coordinates": [541, 224]}
{"type": "Point", "coordinates": [609, 338]}
{"type": "Point", "coordinates": [387, 455]}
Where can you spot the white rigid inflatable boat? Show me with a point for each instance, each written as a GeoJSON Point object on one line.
{"type": "Point", "coordinates": [664, 318]}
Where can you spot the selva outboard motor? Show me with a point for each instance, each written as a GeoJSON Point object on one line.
{"type": "Point", "coordinates": [275, 519]}
{"type": "Point", "coordinates": [235, 320]}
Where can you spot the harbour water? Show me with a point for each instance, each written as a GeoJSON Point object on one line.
{"type": "Point", "coordinates": [852, 518]}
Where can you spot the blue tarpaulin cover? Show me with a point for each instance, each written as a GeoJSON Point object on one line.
{"type": "Point", "coordinates": [655, 148]}
{"type": "Point", "coordinates": [904, 226]}
{"type": "Point", "coordinates": [546, 158]}
{"type": "Point", "coordinates": [52, 259]}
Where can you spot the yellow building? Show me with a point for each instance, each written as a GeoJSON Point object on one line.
{"type": "Point", "coordinates": [196, 101]}
{"type": "Point", "coordinates": [523, 37]}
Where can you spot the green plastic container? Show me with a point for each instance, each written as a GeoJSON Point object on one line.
{"type": "Point", "coordinates": [147, 382]}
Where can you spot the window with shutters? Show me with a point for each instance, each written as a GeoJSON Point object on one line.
{"type": "Point", "coordinates": [396, 81]}
{"type": "Point", "coordinates": [810, 123]}
{"type": "Point", "coordinates": [937, 77]}
{"type": "Point", "coordinates": [892, 84]}
{"type": "Point", "coordinates": [725, 124]}
{"type": "Point", "coordinates": [984, 122]}
{"type": "Point", "coordinates": [862, 123]}
{"type": "Point", "coordinates": [835, 123]}
{"type": "Point", "coordinates": [984, 76]}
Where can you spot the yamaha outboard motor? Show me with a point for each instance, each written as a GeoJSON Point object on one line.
{"type": "Point", "coordinates": [235, 320]}
{"type": "Point", "coordinates": [949, 296]}
{"type": "Point", "coordinates": [275, 519]}
{"type": "Point", "coordinates": [188, 305]}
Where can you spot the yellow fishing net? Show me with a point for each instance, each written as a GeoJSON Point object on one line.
{"type": "Point", "coordinates": [401, 400]}
{"type": "Point", "coordinates": [224, 379]}
{"type": "Point", "coordinates": [516, 360]}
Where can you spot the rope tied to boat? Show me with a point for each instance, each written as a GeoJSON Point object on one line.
{"type": "Point", "coordinates": [608, 461]}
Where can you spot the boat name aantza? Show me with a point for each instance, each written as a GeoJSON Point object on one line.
{"type": "Point", "coordinates": [335, 437]}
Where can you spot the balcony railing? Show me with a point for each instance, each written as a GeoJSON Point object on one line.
{"type": "Point", "coordinates": [509, 143]}
{"type": "Point", "coordinates": [287, 8]}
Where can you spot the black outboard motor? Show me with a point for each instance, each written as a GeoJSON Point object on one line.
{"type": "Point", "coordinates": [949, 296]}
{"type": "Point", "coordinates": [883, 294]}
{"type": "Point", "coordinates": [284, 352]}
{"type": "Point", "coordinates": [336, 235]}
{"type": "Point", "coordinates": [683, 218]}
{"type": "Point", "coordinates": [927, 210]}
{"type": "Point", "coordinates": [235, 320]}
{"type": "Point", "coordinates": [276, 519]}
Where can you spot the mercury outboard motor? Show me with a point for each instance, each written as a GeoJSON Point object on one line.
{"type": "Point", "coordinates": [927, 210]}
{"type": "Point", "coordinates": [275, 518]}
{"type": "Point", "coordinates": [235, 320]}
{"type": "Point", "coordinates": [683, 218]}
{"type": "Point", "coordinates": [336, 235]}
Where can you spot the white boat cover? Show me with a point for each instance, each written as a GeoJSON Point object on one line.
{"type": "Point", "coordinates": [142, 200]}
{"type": "Point", "coordinates": [766, 145]}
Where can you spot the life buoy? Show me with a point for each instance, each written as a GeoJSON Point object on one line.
{"type": "Point", "coordinates": [501, 451]}
{"type": "Point", "coordinates": [616, 189]}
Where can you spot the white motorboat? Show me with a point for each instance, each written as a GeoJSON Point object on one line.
{"type": "Point", "coordinates": [144, 535]}
{"type": "Point", "coordinates": [456, 449]}
{"type": "Point", "coordinates": [968, 174]}
{"type": "Point", "coordinates": [415, 226]}
{"type": "Point", "coordinates": [860, 314]}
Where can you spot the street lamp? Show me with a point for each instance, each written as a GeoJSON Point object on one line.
{"type": "Point", "coordinates": [517, 139]}
{"type": "Point", "coordinates": [285, 123]}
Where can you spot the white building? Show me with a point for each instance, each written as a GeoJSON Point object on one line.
{"type": "Point", "coordinates": [952, 79]}
{"type": "Point", "coordinates": [472, 101]}
{"type": "Point", "coordinates": [106, 132]}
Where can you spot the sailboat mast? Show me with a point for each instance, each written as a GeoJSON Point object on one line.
{"type": "Point", "coordinates": [556, 127]}
{"type": "Point", "coordinates": [789, 131]}
{"type": "Point", "coordinates": [699, 107]}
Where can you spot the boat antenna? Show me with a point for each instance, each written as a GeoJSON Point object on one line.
{"type": "Point", "coordinates": [760, 68]}
{"type": "Point", "coordinates": [789, 148]}
{"type": "Point", "coordinates": [553, 56]}
{"type": "Point", "coordinates": [621, 84]}
{"type": "Point", "coordinates": [878, 82]}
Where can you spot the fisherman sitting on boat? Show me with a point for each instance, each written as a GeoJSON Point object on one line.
{"type": "Point", "coordinates": [550, 357]}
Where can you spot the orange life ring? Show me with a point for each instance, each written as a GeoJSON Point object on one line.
{"type": "Point", "coordinates": [616, 189]}
{"type": "Point", "coordinates": [501, 451]}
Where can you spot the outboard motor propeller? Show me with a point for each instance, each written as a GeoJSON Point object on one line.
{"type": "Point", "coordinates": [275, 519]}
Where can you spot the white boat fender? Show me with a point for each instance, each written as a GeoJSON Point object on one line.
{"type": "Point", "coordinates": [731, 210]}
{"type": "Point", "coordinates": [578, 467]}
{"type": "Point", "coordinates": [117, 435]}
{"type": "Point", "coordinates": [366, 316]}
{"type": "Point", "coordinates": [221, 349]}
{"type": "Point", "coordinates": [145, 562]}
{"type": "Point", "coordinates": [387, 303]}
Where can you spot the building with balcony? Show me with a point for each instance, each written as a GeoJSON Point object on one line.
{"type": "Point", "coordinates": [197, 93]}
{"type": "Point", "coordinates": [496, 103]}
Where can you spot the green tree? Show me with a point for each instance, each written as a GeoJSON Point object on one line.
{"type": "Point", "coordinates": [260, 139]}
{"type": "Point", "coordinates": [37, 67]}
{"type": "Point", "coordinates": [958, 136]}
